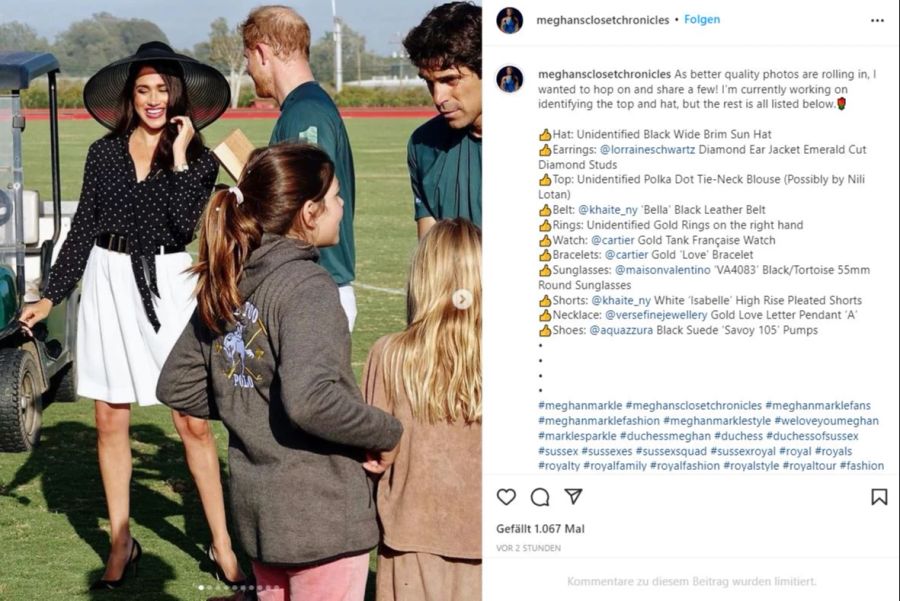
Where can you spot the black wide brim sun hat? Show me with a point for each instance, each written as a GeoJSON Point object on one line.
{"type": "Point", "coordinates": [206, 88]}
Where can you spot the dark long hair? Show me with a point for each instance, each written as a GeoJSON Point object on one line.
{"type": "Point", "coordinates": [177, 105]}
{"type": "Point", "coordinates": [276, 184]}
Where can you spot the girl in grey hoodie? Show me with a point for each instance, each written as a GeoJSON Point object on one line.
{"type": "Point", "coordinates": [268, 353]}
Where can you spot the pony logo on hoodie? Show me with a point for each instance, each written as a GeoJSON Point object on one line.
{"type": "Point", "coordinates": [241, 347]}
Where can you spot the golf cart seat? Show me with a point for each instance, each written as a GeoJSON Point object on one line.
{"type": "Point", "coordinates": [38, 218]}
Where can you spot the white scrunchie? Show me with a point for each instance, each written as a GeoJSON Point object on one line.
{"type": "Point", "coordinates": [238, 195]}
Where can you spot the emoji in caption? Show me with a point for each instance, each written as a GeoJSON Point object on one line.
{"type": "Point", "coordinates": [545, 272]}
{"type": "Point", "coordinates": [545, 151]}
{"type": "Point", "coordinates": [545, 316]}
{"type": "Point", "coordinates": [545, 241]}
{"type": "Point", "coordinates": [545, 181]}
{"type": "Point", "coordinates": [545, 212]}
{"type": "Point", "coordinates": [545, 302]}
{"type": "Point", "coordinates": [545, 332]}
{"type": "Point", "coordinates": [545, 256]}
{"type": "Point", "coordinates": [545, 227]}
{"type": "Point", "coordinates": [544, 135]}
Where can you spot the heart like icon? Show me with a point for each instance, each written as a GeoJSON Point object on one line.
{"type": "Point", "coordinates": [506, 495]}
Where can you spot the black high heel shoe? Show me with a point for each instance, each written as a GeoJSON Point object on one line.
{"type": "Point", "coordinates": [133, 558]}
{"type": "Point", "coordinates": [220, 573]}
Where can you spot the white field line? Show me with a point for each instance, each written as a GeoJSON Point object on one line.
{"type": "Point", "coordinates": [396, 291]}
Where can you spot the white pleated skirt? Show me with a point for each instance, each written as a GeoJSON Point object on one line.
{"type": "Point", "coordinates": [119, 354]}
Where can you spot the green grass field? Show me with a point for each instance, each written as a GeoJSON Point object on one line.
{"type": "Point", "coordinates": [53, 538]}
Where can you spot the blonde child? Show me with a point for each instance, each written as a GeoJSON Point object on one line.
{"type": "Point", "coordinates": [429, 377]}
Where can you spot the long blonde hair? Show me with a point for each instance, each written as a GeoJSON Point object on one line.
{"type": "Point", "coordinates": [436, 360]}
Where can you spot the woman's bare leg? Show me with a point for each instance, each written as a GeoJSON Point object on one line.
{"type": "Point", "coordinates": [203, 461]}
{"type": "Point", "coordinates": [114, 452]}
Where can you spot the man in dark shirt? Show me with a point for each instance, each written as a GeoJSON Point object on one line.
{"type": "Point", "coordinates": [276, 46]}
{"type": "Point", "coordinates": [444, 154]}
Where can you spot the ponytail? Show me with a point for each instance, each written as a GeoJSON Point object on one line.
{"type": "Point", "coordinates": [227, 237]}
{"type": "Point", "coordinates": [272, 190]}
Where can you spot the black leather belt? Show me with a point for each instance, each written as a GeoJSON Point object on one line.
{"type": "Point", "coordinates": [118, 243]}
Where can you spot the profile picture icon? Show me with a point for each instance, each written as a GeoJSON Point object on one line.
{"type": "Point", "coordinates": [509, 79]}
{"type": "Point", "coordinates": [509, 20]}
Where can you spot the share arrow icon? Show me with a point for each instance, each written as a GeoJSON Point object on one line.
{"type": "Point", "coordinates": [574, 493]}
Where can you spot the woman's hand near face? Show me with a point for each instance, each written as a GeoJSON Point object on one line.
{"type": "Point", "coordinates": [184, 137]}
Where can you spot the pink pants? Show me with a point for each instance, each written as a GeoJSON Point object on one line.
{"type": "Point", "coordinates": [340, 580]}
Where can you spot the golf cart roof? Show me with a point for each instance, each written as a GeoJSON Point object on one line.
{"type": "Point", "coordinates": [18, 69]}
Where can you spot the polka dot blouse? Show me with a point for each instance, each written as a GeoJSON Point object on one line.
{"type": "Point", "coordinates": [161, 210]}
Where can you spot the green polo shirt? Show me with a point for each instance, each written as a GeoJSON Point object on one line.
{"type": "Point", "coordinates": [445, 172]}
{"type": "Point", "coordinates": [309, 115]}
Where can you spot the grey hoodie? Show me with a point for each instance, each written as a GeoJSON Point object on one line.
{"type": "Point", "coordinates": [281, 382]}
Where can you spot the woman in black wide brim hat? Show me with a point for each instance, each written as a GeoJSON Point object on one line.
{"type": "Point", "coordinates": [145, 186]}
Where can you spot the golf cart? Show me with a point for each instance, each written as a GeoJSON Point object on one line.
{"type": "Point", "coordinates": [38, 368]}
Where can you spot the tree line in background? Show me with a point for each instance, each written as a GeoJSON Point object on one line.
{"type": "Point", "coordinates": [90, 44]}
